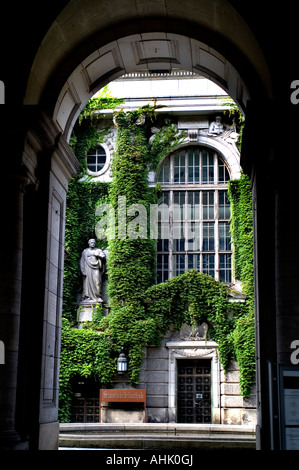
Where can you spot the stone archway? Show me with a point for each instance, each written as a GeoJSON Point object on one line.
{"type": "Point", "coordinates": [88, 45]}
{"type": "Point", "coordinates": [114, 39]}
{"type": "Point", "coordinates": [144, 53]}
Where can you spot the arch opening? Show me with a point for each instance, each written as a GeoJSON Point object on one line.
{"type": "Point", "coordinates": [217, 263]}
{"type": "Point", "coordinates": [147, 52]}
{"type": "Point", "coordinates": [150, 54]}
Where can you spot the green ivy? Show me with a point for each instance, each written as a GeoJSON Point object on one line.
{"type": "Point", "coordinates": [165, 139]}
{"type": "Point", "coordinates": [194, 298]}
{"type": "Point", "coordinates": [141, 311]}
{"type": "Point", "coordinates": [239, 192]}
{"type": "Point", "coordinates": [82, 198]}
{"type": "Point", "coordinates": [131, 269]}
{"type": "Point", "coordinates": [233, 116]}
{"type": "Point", "coordinates": [85, 353]}
{"type": "Point", "coordinates": [103, 100]}
{"type": "Point", "coordinates": [242, 237]}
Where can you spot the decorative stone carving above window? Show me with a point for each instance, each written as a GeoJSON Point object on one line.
{"type": "Point", "coordinates": [192, 134]}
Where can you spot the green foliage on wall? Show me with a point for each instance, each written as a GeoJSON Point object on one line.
{"type": "Point", "coordinates": [165, 139]}
{"type": "Point", "coordinates": [133, 260]}
{"type": "Point", "coordinates": [239, 192]}
{"type": "Point", "coordinates": [82, 198]}
{"type": "Point", "coordinates": [194, 298]}
{"type": "Point", "coordinates": [84, 353]}
{"type": "Point", "coordinates": [242, 238]}
{"type": "Point", "coordinates": [132, 254]}
{"type": "Point", "coordinates": [234, 117]}
{"type": "Point", "coordinates": [141, 312]}
{"type": "Point", "coordinates": [131, 269]}
{"type": "Point", "coordinates": [103, 100]}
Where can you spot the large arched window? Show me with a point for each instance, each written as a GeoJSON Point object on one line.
{"type": "Point", "coordinates": [194, 215]}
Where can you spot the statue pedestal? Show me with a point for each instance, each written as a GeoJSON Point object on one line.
{"type": "Point", "coordinates": [86, 312]}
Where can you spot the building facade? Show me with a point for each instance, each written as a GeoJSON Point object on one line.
{"type": "Point", "coordinates": [183, 378]}
{"type": "Point", "coordinates": [69, 51]}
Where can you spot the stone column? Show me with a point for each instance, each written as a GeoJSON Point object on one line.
{"type": "Point", "coordinates": [31, 271]}
{"type": "Point", "coordinates": [257, 159]}
{"type": "Point", "coordinates": [287, 241]}
{"type": "Point", "coordinates": [44, 209]}
{"type": "Point", "coordinates": [12, 191]}
{"type": "Point", "coordinates": [14, 179]}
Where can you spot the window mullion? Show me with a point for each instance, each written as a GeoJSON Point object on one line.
{"type": "Point", "coordinates": [185, 228]}
{"type": "Point", "coordinates": [185, 221]}
{"type": "Point", "coordinates": [216, 235]}
{"type": "Point", "coordinates": [216, 172]}
{"type": "Point", "coordinates": [201, 230]}
{"type": "Point", "coordinates": [170, 260]}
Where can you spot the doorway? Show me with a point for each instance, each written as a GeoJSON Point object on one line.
{"type": "Point", "coordinates": [194, 404]}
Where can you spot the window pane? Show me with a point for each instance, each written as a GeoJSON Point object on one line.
{"type": "Point", "coordinates": [193, 210]}
{"type": "Point", "coordinates": [179, 167]}
{"type": "Point", "coordinates": [179, 198]}
{"type": "Point", "coordinates": [224, 207]}
{"type": "Point", "coordinates": [194, 262]}
{"type": "Point", "coordinates": [179, 244]}
{"type": "Point", "coordinates": [208, 264]}
{"type": "Point", "coordinates": [208, 205]}
{"type": "Point", "coordinates": [163, 222]}
{"type": "Point", "coordinates": [208, 237]}
{"type": "Point", "coordinates": [193, 235]}
{"type": "Point", "coordinates": [178, 215]}
{"type": "Point", "coordinates": [91, 159]}
{"type": "Point", "coordinates": [164, 174]}
{"type": "Point", "coordinates": [225, 268]}
{"type": "Point", "coordinates": [101, 159]}
{"type": "Point", "coordinates": [178, 264]}
{"type": "Point", "coordinates": [224, 237]}
{"type": "Point", "coordinates": [207, 167]}
{"type": "Point", "coordinates": [223, 172]}
{"type": "Point", "coordinates": [162, 268]}
{"type": "Point", "coordinates": [163, 237]}
{"type": "Point", "coordinates": [193, 165]}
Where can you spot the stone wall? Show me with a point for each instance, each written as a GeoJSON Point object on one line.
{"type": "Point", "coordinates": [234, 408]}
{"type": "Point", "coordinates": [158, 376]}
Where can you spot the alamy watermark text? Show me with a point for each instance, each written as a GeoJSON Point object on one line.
{"type": "Point", "coordinates": [294, 97]}
{"type": "Point", "coordinates": [2, 93]}
{"type": "Point", "coordinates": [137, 221]}
{"type": "Point", "coordinates": [295, 354]}
{"type": "Point", "coordinates": [2, 353]}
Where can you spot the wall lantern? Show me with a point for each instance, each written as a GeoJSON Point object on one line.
{"type": "Point", "coordinates": [122, 363]}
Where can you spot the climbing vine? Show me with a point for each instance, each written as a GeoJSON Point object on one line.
{"type": "Point", "coordinates": [194, 298]}
{"type": "Point", "coordinates": [83, 197]}
{"type": "Point", "coordinates": [234, 117]}
{"type": "Point", "coordinates": [132, 253]}
{"type": "Point", "coordinates": [84, 353]}
{"type": "Point", "coordinates": [242, 237]}
{"type": "Point", "coordinates": [141, 312]}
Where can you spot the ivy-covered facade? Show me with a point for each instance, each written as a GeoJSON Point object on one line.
{"type": "Point", "coordinates": [173, 303]}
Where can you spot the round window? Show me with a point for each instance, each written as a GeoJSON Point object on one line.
{"type": "Point", "coordinates": [96, 159]}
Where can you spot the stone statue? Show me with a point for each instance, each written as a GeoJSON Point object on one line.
{"type": "Point", "coordinates": [92, 265]}
{"type": "Point", "coordinates": [216, 127]}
